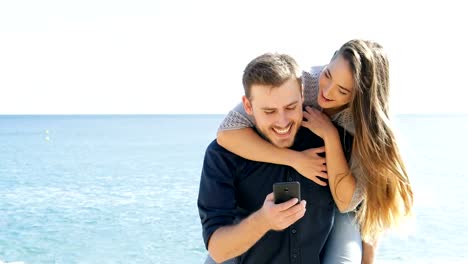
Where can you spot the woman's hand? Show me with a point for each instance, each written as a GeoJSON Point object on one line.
{"type": "Point", "coordinates": [310, 164]}
{"type": "Point", "coordinates": [318, 122]}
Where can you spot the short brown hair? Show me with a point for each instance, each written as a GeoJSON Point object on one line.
{"type": "Point", "coordinates": [270, 69]}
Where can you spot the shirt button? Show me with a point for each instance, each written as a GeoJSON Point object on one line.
{"type": "Point", "coordinates": [294, 256]}
{"type": "Point", "coordinates": [290, 178]}
{"type": "Point", "coordinates": [293, 231]}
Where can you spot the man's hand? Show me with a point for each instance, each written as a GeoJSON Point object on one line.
{"type": "Point", "coordinates": [280, 216]}
{"type": "Point", "coordinates": [310, 165]}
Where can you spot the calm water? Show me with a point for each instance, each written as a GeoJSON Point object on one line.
{"type": "Point", "coordinates": [123, 189]}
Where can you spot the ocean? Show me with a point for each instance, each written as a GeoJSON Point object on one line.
{"type": "Point", "coordinates": [123, 189]}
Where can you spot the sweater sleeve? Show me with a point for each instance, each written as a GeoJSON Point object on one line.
{"type": "Point", "coordinates": [237, 118]}
{"type": "Point", "coordinates": [310, 83]}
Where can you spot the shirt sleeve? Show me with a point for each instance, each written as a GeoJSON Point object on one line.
{"type": "Point", "coordinates": [216, 197]}
{"type": "Point", "coordinates": [237, 118]}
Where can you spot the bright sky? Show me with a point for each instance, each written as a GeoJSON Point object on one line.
{"type": "Point", "coordinates": [185, 56]}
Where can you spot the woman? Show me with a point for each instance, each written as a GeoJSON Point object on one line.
{"type": "Point", "coordinates": [353, 92]}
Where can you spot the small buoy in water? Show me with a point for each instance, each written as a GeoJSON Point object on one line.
{"type": "Point", "coordinates": [47, 138]}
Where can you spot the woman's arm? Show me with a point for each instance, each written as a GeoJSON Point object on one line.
{"type": "Point", "coordinates": [368, 252]}
{"type": "Point", "coordinates": [248, 144]}
{"type": "Point", "coordinates": [342, 182]}
{"type": "Point", "coordinates": [237, 135]}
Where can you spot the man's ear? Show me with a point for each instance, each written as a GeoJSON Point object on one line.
{"type": "Point", "coordinates": [247, 105]}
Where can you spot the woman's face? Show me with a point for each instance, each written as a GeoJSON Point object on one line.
{"type": "Point", "coordinates": [335, 85]}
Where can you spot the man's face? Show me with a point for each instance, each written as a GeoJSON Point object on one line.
{"type": "Point", "coordinates": [277, 111]}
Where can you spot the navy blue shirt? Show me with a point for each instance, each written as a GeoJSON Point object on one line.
{"type": "Point", "coordinates": [232, 188]}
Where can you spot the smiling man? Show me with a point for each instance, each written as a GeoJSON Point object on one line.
{"type": "Point", "coordinates": [276, 106]}
{"type": "Point", "coordinates": [239, 217]}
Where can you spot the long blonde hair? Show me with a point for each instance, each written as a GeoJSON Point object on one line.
{"type": "Point", "coordinates": [388, 194]}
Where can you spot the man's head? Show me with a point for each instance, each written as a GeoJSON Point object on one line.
{"type": "Point", "coordinates": [273, 96]}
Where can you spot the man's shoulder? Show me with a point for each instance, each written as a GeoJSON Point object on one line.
{"type": "Point", "coordinates": [306, 139]}
{"type": "Point", "coordinates": [215, 149]}
{"type": "Point", "coordinates": [214, 146]}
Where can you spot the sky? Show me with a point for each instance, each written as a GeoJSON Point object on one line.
{"type": "Point", "coordinates": [187, 57]}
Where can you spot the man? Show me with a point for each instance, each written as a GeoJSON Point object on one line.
{"type": "Point", "coordinates": [237, 210]}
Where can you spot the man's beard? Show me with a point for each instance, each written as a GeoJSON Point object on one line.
{"type": "Point", "coordinates": [260, 133]}
{"type": "Point", "coordinates": [293, 128]}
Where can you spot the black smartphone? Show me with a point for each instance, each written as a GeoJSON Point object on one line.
{"type": "Point", "coordinates": [285, 191]}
